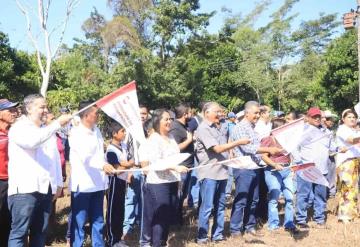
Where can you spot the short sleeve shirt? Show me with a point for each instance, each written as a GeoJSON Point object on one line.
{"type": "Point", "coordinates": [114, 155]}
{"type": "Point", "coordinates": [245, 129]}
{"type": "Point", "coordinates": [208, 136]}
{"type": "Point", "coordinates": [179, 132]}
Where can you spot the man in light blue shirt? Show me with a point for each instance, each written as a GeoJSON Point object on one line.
{"type": "Point", "coordinates": [314, 147]}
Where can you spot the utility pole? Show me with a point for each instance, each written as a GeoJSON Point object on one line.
{"type": "Point", "coordinates": [350, 20]}
{"type": "Point", "coordinates": [358, 41]}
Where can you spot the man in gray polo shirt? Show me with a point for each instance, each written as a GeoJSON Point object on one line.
{"type": "Point", "coordinates": [211, 147]}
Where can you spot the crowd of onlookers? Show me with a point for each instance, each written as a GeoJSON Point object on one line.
{"type": "Point", "coordinates": [34, 148]}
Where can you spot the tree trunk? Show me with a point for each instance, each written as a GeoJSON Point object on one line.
{"type": "Point", "coordinates": [45, 83]}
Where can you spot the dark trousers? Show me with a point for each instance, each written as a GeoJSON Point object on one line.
{"type": "Point", "coordinates": [115, 210]}
{"type": "Point", "coordinates": [185, 186]}
{"type": "Point", "coordinates": [262, 207]}
{"type": "Point", "coordinates": [5, 217]}
{"type": "Point", "coordinates": [245, 201]}
{"type": "Point", "coordinates": [30, 211]}
{"type": "Point", "coordinates": [159, 211]}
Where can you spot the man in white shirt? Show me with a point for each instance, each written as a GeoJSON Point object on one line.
{"type": "Point", "coordinates": [88, 178]}
{"type": "Point", "coordinates": [263, 128]}
{"type": "Point", "coordinates": [34, 172]}
{"type": "Point", "coordinates": [263, 125]}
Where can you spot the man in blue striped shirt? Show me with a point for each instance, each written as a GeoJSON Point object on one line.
{"type": "Point", "coordinates": [247, 181]}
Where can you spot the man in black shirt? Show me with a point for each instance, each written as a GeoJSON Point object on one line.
{"type": "Point", "coordinates": [184, 139]}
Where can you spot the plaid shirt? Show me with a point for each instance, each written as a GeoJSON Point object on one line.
{"type": "Point", "coordinates": [245, 129]}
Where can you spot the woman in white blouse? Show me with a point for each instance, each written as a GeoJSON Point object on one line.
{"type": "Point", "coordinates": [160, 190]}
{"type": "Point", "coordinates": [347, 166]}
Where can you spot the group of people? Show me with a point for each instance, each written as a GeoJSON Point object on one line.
{"type": "Point", "coordinates": [154, 194]}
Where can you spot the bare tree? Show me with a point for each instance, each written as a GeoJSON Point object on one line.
{"type": "Point", "coordinates": [43, 7]}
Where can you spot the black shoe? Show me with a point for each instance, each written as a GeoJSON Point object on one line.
{"type": "Point", "coordinates": [303, 226]}
{"type": "Point", "coordinates": [292, 230]}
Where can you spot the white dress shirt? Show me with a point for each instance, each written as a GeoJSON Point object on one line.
{"type": "Point", "coordinates": [263, 128]}
{"type": "Point", "coordinates": [34, 160]}
{"type": "Point", "coordinates": [87, 160]}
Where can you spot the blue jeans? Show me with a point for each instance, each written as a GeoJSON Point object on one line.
{"type": "Point", "coordinates": [30, 211]}
{"type": "Point", "coordinates": [213, 199]}
{"type": "Point", "coordinates": [245, 201]}
{"type": "Point", "coordinates": [229, 182]}
{"type": "Point", "coordinates": [280, 182]}
{"type": "Point", "coordinates": [304, 190]}
{"type": "Point", "coordinates": [87, 206]}
{"type": "Point", "coordinates": [331, 177]}
{"type": "Point", "coordinates": [194, 190]}
{"type": "Point", "coordinates": [145, 233]}
{"type": "Point", "coordinates": [132, 203]}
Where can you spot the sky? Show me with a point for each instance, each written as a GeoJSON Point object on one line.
{"type": "Point", "coordinates": [13, 23]}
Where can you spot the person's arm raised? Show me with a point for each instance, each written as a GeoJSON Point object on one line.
{"type": "Point", "coordinates": [33, 137]}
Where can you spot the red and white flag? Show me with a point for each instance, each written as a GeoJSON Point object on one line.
{"type": "Point", "coordinates": [289, 135]}
{"type": "Point", "coordinates": [310, 173]}
{"type": "Point", "coordinates": [123, 106]}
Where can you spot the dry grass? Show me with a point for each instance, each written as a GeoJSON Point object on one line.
{"type": "Point", "coordinates": [338, 235]}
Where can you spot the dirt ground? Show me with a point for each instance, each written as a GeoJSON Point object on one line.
{"type": "Point", "coordinates": [337, 234]}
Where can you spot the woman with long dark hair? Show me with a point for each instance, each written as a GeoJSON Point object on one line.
{"type": "Point", "coordinates": [161, 187]}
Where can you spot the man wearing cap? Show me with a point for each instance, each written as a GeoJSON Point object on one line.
{"type": "Point", "coordinates": [327, 122]}
{"type": "Point", "coordinates": [231, 121]}
{"type": "Point", "coordinates": [8, 114]}
{"type": "Point", "coordinates": [314, 147]}
{"type": "Point", "coordinates": [230, 125]}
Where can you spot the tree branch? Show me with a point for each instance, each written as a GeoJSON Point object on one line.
{"type": "Point", "coordinates": [71, 4]}
{"type": "Point", "coordinates": [31, 37]}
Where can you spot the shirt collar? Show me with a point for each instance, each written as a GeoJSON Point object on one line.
{"type": "Point", "coordinates": [248, 123]}
{"type": "Point", "coordinates": [210, 124]}
{"type": "Point", "coordinates": [85, 129]}
{"type": "Point", "coordinates": [180, 123]}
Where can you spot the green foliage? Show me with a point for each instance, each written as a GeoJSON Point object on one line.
{"type": "Point", "coordinates": [164, 46]}
{"type": "Point", "coordinates": [340, 77]}
{"type": "Point", "coordinates": [18, 71]}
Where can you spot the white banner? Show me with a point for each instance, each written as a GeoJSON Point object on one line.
{"type": "Point", "coordinates": [313, 175]}
{"type": "Point", "coordinates": [122, 105]}
{"type": "Point", "coordinates": [289, 135]}
{"type": "Point", "coordinates": [243, 162]}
